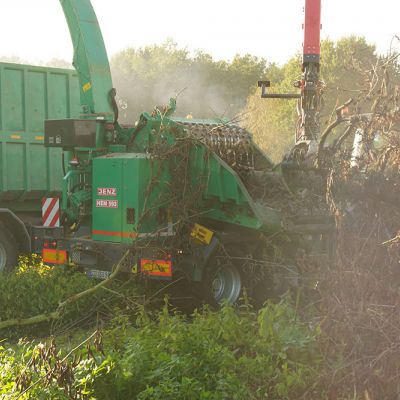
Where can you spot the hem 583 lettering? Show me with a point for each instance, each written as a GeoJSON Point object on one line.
{"type": "Point", "coordinates": [106, 203]}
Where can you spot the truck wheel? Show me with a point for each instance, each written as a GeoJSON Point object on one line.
{"type": "Point", "coordinates": [226, 284]}
{"type": "Point", "coordinates": [8, 250]}
{"type": "Point", "coordinates": [223, 282]}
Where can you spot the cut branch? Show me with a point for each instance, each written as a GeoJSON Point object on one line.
{"type": "Point", "coordinates": [45, 317]}
{"type": "Point", "coordinates": [339, 119]}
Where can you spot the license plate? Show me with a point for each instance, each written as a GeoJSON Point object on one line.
{"type": "Point", "coordinates": [97, 274]}
{"type": "Point", "coordinates": [160, 268]}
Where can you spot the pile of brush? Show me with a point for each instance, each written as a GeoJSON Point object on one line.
{"type": "Point", "coordinates": [359, 293]}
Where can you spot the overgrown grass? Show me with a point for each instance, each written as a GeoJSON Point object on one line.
{"type": "Point", "coordinates": [210, 355]}
{"type": "Point", "coordinates": [140, 354]}
{"type": "Point", "coordinates": [35, 289]}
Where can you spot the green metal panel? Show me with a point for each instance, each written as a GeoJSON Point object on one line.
{"type": "Point", "coordinates": [36, 94]}
{"type": "Point", "coordinates": [107, 219]}
{"type": "Point", "coordinates": [73, 96]}
{"type": "Point", "coordinates": [58, 92]}
{"type": "Point", "coordinates": [130, 175]}
{"type": "Point", "coordinates": [37, 159]}
{"type": "Point", "coordinates": [225, 197]}
{"type": "Point", "coordinates": [13, 99]}
{"type": "Point", "coordinates": [17, 173]}
{"type": "Point", "coordinates": [29, 95]}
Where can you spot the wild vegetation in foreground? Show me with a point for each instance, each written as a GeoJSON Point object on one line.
{"type": "Point", "coordinates": [129, 351]}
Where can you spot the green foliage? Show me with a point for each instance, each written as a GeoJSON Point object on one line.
{"type": "Point", "coordinates": [149, 76]}
{"type": "Point", "coordinates": [44, 372]}
{"type": "Point", "coordinates": [35, 289]}
{"type": "Point", "coordinates": [343, 64]}
{"type": "Point", "coordinates": [214, 355]}
{"type": "Point", "coordinates": [228, 354]}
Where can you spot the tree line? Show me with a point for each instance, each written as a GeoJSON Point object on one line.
{"type": "Point", "coordinates": [206, 88]}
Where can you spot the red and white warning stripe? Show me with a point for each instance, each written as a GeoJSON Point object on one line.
{"type": "Point", "coordinates": [51, 212]}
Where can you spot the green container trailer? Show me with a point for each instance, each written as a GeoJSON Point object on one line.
{"type": "Point", "coordinates": [29, 96]}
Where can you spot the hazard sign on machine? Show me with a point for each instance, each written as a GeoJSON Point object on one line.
{"type": "Point", "coordinates": [51, 212]}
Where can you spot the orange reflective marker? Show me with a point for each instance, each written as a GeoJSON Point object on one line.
{"type": "Point", "coordinates": [52, 256]}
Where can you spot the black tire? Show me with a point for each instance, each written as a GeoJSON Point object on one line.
{"type": "Point", "coordinates": [8, 250]}
{"type": "Point", "coordinates": [257, 285]}
{"type": "Point", "coordinates": [224, 279]}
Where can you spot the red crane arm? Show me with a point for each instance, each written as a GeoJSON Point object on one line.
{"type": "Point", "coordinates": [312, 28]}
{"type": "Point", "coordinates": [310, 85]}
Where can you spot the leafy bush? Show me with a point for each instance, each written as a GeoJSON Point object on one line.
{"type": "Point", "coordinates": [35, 289]}
{"type": "Point", "coordinates": [42, 372]}
{"type": "Point", "coordinates": [228, 354]}
{"type": "Point", "coordinates": [212, 355]}
{"type": "Point", "coordinates": [215, 355]}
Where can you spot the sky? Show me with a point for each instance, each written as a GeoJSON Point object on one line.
{"type": "Point", "coordinates": [35, 30]}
